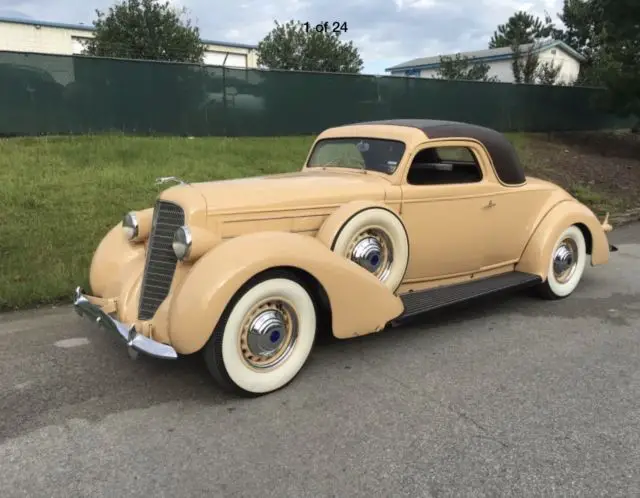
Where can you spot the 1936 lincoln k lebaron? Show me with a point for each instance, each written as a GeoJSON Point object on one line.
{"type": "Point", "coordinates": [385, 220]}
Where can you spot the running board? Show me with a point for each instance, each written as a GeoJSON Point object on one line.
{"type": "Point", "coordinates": [419, 302]}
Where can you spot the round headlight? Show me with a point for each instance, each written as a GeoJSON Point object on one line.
{"type": "Point", "coordinates": [182, 243]}
{"type": "Point", "coordinates": [130, 225]}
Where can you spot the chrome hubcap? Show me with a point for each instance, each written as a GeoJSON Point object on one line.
{"type": "Point", "coordinates": [367, 253]}
{"type": "Point", "coordinates": [371, 249]}
{"type": "Point", "coordinates": [565, 260]}
{"type": "Point", "coordinates": [268, 334]}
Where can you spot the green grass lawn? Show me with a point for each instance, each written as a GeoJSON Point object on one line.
{"type": "Point", "coordinates": [61, 195]}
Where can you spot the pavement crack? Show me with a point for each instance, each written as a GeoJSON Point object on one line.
{"type": "Point", "coordinates": [485, 433]}
{"type": "Point", "coordinates": [494, 439]}
{"type": "Point", "coordinates": [468, 418]}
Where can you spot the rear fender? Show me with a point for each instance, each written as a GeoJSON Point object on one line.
{"type": "Point", "coordinates": [359, 303]}
{"type": "Point", "coordinates": [537, 253]}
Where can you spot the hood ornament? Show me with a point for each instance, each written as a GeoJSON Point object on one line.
{"type": "Point", "coordinates": [166, 179]}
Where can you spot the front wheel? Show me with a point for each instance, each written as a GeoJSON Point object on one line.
{"type": "Point", "coordinates": [264, 337]}
{"type": "Point", "coordinates": [566, 265]}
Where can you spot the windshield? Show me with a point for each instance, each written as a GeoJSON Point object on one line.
{"type": "Point", "coordinates": [372, 154]}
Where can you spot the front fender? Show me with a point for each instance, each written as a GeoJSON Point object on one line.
{"type": "Point", "coordinates": [333, 224]}
{"type": "Point", "coordinates": [359, 303]}
{"type": "Point", "coordinates": [536, 255]}
{"type": "Point", "coordinates": [113, 255]}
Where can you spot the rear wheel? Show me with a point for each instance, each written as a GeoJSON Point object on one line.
{"type": "Point", "coordinates": [566, 265]}
{"type": "Point", "coordinates": [264, 337]}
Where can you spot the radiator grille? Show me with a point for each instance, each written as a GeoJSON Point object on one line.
{"type": "Point", "coordinates": [161, 260]}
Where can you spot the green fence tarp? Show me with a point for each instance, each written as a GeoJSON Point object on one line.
{"type": "Point", "coordinates": [55, 94]}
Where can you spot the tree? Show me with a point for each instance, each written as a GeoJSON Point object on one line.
{"type": "Point", "coordinates": [617, 33]}
{"type": "Point", "coordinates": [463, 68]}
{"type": "Point", "coordinates": [577, 16]}
{"type": "Point", "coordinates": [607, 32]}
{"type": "Point", "coordinates": [145, 29]}
{"type": "Point", "coordinates": [524, 68]}
{"type": "Point", "coordinates": [523, 28]}
{"type": "Point", "coordinates": [581, 34]}
{"type": "Point", "coordinates": [527, 67]}
{"type": "Point", "coordinates": [290, 46]}
{"type": "Point", "coordinates": [547, 73]}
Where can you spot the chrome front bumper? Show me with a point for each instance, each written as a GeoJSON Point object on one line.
{"type": "Point", "coordinates": [137, 343]}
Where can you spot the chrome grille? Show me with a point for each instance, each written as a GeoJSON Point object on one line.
{"type": "Point", "coordinates": [161, 260]}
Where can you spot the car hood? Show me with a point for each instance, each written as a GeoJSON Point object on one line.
{"type": "Point", "coordinates": [290, 191]}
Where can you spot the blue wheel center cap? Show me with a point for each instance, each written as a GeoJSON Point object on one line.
{"type": "Point", "coordinates": [375, 259]}
{"type": "Point", "coordinates": [275, 335]}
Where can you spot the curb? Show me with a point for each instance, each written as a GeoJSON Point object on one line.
{"type": "Point", "coordinates": [626, 217]}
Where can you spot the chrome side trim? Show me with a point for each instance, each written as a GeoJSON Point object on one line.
{"type": "Point", "coordinates": [127, 333]}
{"type": "Point", "coordinates": [165, 179]}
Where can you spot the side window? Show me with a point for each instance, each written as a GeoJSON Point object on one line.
{"type": "Point", "coordinates": [444, 166]}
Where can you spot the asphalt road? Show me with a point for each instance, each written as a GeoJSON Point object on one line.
{"type": "Point", "coordinates": [512, 397]}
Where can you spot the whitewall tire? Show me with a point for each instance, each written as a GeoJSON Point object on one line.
{"type": "Point", "coordinates": [264, 337]}
{"type": "Point", "coordinates": [376, 240]}
{"type": "Point", "coordinates": [567, 262]}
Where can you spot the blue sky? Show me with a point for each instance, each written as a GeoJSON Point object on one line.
{"type": "Point", "coordinates": [387, 32]}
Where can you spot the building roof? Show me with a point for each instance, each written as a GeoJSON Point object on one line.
{"type": "Point", "coordinates": [85, 27]}
{"type": "Point", "coordinates": [487, 55]}
{"type": "Point", "coordinates": [504, 157]}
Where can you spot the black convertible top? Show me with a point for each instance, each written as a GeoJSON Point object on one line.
{"type": "Point", "coordinates": [503, 154]}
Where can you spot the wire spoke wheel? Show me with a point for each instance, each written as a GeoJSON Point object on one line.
{"type": "Point", "coordinates": [376, 240]}
{"type": "Point", "coordinates": [372, 249]}
{"type": "Point", "coordinates": [268, 334]}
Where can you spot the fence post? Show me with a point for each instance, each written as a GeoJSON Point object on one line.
{"type": "Point", "coordinates": [224, 94]}
{"type": "Point", "coordinates": [204, 75]}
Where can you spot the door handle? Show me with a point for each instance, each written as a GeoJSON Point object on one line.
{"type": "Point", "coordinates": [491, 204]}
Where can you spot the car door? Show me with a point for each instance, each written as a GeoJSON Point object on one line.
{"type": "Point", "coordinates": [511, 221]}
{"type": "Point", "coordinates": [447, 191]}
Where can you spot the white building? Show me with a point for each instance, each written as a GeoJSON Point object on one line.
{"type": "Point", "coordinates": [22, 35]}
{"type": "Point", "coordinates": [499, 61]}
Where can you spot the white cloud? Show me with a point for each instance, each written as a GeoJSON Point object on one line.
{"type": "Point", "coordinates": [387, 32]}
{"type": "Point", "coordinates": [419, 4]}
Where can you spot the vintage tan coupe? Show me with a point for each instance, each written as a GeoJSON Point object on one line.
{"type": "Point", "coordinates": [385, 220]}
